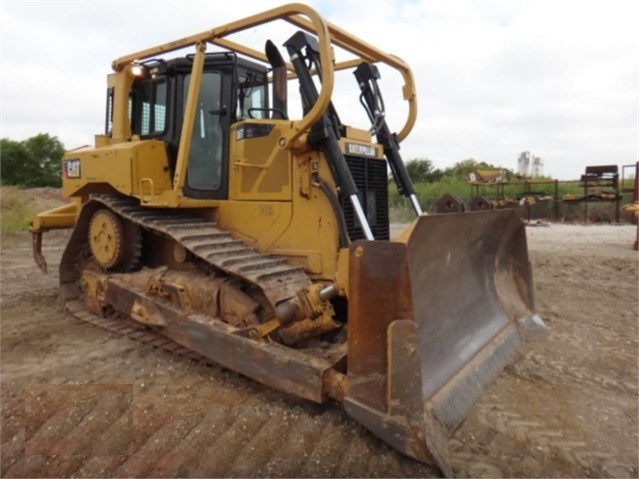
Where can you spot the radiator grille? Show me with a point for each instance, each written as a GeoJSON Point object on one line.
{"type": "Point", "coordinates": [371, 180]}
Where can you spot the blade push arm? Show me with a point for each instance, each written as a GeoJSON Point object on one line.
{"type": "Point", "coordinates": [367, 75]}
{"type": "Point", "coordinates": [327, 139]}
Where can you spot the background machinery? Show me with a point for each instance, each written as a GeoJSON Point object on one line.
{"type": "Point", "coordinates": [208, 215]}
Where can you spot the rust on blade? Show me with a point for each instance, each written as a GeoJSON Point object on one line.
{"type": "Point", "coordinates": [384, 371]}
{"type": "Point", "coordinates": [405, 398]}
{"type": "Point", "coordinates": [406, 423]}
{"type": "Point", "coordinates": [380, 293]}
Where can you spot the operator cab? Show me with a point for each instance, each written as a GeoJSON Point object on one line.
{"type": "Point", "coordinates": [232, 89]}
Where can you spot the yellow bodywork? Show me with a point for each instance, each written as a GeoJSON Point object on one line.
{"type": "Point", "coordinates": [136, 168]}
{"type": "Point", "coordinates": [272, 204]}
{"type": "Point", "coordinates": [271, 200]}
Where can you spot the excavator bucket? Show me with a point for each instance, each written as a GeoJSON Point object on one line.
{"type": "Point", "coordinates": [433, 318]}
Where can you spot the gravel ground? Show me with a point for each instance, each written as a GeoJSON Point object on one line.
{"type": "Point", "coordinates": [81, 401]}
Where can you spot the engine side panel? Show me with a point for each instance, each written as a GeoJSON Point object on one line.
{"type": "Point", "coordinates": [137, 168]}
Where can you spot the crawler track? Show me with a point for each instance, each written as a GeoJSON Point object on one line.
{"type": "Point", "coordinates": [130, 330]}
{"type": "Point", "coordinates": [265, 280]}
{"type": "Point", "coordinates": [271, 274]}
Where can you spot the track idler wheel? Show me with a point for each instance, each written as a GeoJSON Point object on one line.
{"type": "Point", "coordinates": [115, 244]}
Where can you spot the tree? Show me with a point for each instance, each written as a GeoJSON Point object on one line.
{"type": "Point", "coordinates": [32, 162]}
{"type": "Point", "coordinates": [421, 170]}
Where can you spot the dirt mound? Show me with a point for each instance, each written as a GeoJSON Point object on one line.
{"type": "Point", "coordinates": [45, 197]}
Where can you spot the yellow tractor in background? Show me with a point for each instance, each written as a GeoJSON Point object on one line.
{"type": "Point", "coordinates": [205, 215]}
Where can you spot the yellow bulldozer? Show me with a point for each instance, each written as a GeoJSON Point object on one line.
{"type": "Point", "coordinates": [206, 215]}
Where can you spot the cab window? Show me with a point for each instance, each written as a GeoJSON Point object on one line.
{"type": "Point", "coordinates": [148, 108]}
{"type": "Point", "coordinates": [251, 97]}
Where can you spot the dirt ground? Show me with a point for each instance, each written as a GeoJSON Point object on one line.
{"type": "Point", "coordinates": [84, 402]}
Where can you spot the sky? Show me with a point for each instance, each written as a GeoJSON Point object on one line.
{"type": "Point", "coordinates": [558, 78]}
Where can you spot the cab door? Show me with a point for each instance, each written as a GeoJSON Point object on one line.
{"type": "Point", "coordinates": [207, 168]}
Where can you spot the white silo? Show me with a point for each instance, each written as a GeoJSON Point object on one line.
{"type": "Point", "coordinates": [523, 164]}
{"type": "Point", "coordinates": [537, 167]}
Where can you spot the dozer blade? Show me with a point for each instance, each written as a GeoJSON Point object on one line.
{"type": "Point", "coordinates": [433, 319]}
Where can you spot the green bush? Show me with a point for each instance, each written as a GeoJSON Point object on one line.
{"type": "Point", "coordinates": [32, 162]}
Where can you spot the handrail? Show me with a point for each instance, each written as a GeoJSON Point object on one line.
{"type": "Point", "coordinates": [328, 35]}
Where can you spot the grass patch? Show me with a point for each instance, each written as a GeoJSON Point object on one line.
{"type": "Point", "coordinates": [16, 209]}
{"type": "Point", "coordinates": [18, 206]}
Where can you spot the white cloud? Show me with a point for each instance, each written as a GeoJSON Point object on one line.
{"type": "Point", "coordinates": [494, 78]}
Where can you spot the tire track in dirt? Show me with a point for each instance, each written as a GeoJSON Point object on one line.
{"type": "Point", "coordinates": [537, 365]}
{"type": "Point", "coordinates": [330, 443]}
{"type": "Point", "coordinates": [77, 425]}
{"type": "Point", "coordinates": [546, 406]}
{"type": "Point", "coordinates": [354, 447]}
{"type": "Point", "coordinates": [217, 458]}
{"type": "Point", "coordinates": [99, 466]}
{"type": "Point", "coordinates": [12, 449]}
{"type": "Point", "coordinates": [46, 466]}
{"type": "Point", "coordinates": [253, 457]}
{"type": "Point", "coordinates": [546, 441]}
{"type": "Point", "coordinates": [156, 444]}
{"type": "Point", "coordinates": [297, 442]}
{"type": "Point", "coordinates": [177, 461]}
